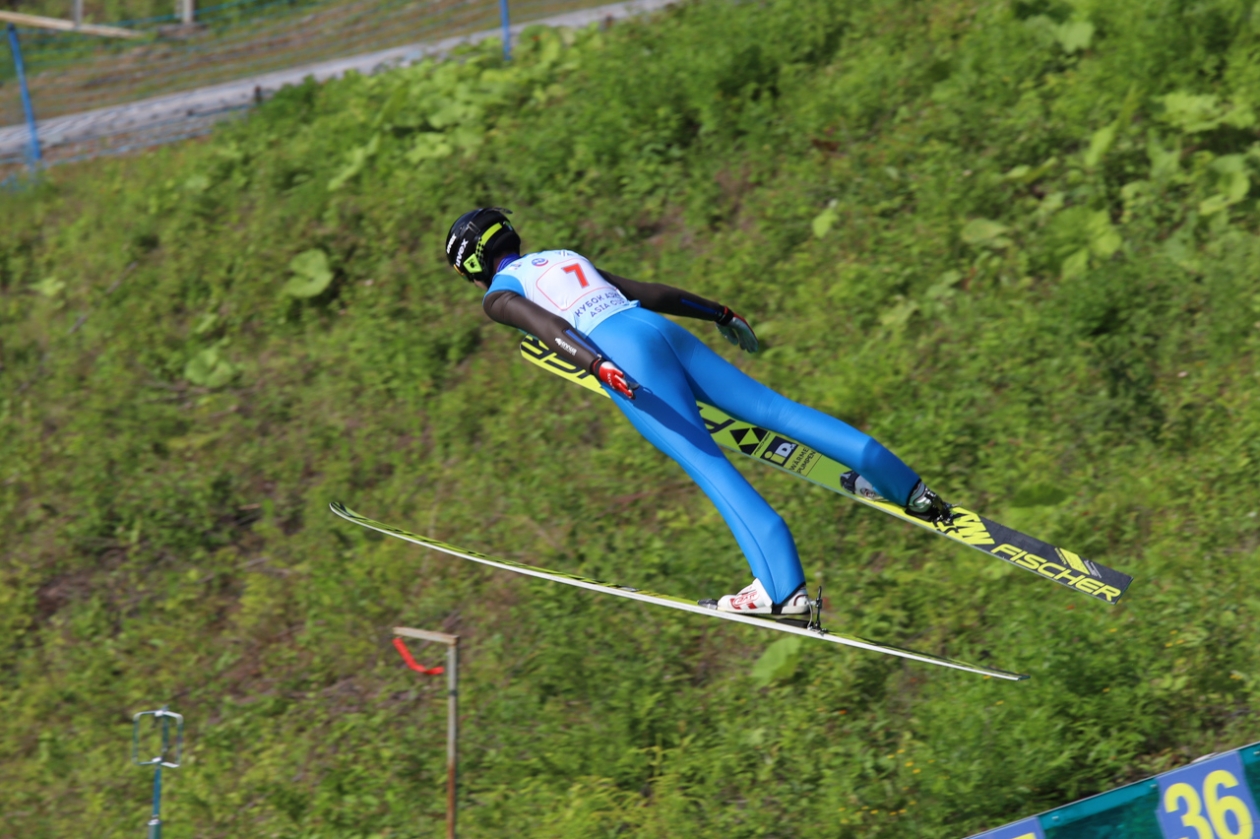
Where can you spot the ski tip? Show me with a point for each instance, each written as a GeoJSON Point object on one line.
{"type": "Point", "coordinates": [993, 673]}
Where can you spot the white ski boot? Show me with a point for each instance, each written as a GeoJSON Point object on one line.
{"type": "Point", "coordinates": [755, 600]}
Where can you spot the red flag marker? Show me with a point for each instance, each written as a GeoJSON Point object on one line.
{"type": "Point", "coordinates": [411, 662]}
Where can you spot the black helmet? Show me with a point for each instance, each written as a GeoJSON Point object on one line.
{"type": "Point", "coordinates": [477, 239]}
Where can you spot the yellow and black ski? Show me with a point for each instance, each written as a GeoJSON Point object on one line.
{"type": "Point", "coordinates": [810, 629]}
{"type": "Point", "coordinates": [971, 529]}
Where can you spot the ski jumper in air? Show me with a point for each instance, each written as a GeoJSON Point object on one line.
{"type": "Point", "coordinates": [656, 370]}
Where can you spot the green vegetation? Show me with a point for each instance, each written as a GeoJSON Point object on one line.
{"type": "Point", "coordinates": [1016, 242]}
{"type": "Point", "coordinates": [109, 11]}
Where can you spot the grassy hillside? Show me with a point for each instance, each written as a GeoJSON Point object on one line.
{"type": "Point", "coordinates": [1017, 242]}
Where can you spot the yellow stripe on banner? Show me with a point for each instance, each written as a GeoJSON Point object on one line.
{"type": "Point", "coordinates": [1073, 560]}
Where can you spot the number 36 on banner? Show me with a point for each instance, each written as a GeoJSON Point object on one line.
{"type": "Point", "coordinates": [1208, 800]}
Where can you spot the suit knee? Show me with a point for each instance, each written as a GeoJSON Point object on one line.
{"type": "Point", "coordinates": [772, 532]}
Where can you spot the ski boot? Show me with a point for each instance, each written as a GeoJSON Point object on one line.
{"type": "Point", "coordinates": [755, 600]}
{"type": "Point", "coordinates": [855, 484]}
{"type": "Point", "coordinates": [926, 505]}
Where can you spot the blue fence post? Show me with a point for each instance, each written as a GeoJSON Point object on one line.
{"type": "Point", "coordinates": [507, 34]}
{"type": "Point", "coordinates": [26, 96]}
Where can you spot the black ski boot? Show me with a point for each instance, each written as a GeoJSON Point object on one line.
{"type": "Point", "coordinates": [927, 505]}
{"type": "Point", "coordinates": [848, 481]}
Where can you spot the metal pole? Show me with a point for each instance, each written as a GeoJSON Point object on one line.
{"type": "Point", "coordinates": [78, 13]}
{"type": "Point", "coordinates": [507, 34]}
{"type": "Point", "coordinates": [36, 157]}
{"type": "Point", "coordinates": [155, 823]}
{"type": "Point", "coordinates": [452, 732]}
{"type": "Point", "coordinates": [187, 12]}
{"type": "Point", "coordinates": [164, 717]}
{"type": "Point", "coordinates": [63, 25]}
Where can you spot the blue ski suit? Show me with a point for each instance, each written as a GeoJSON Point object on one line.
{"type": "Point", "coordinates": [591, 316]}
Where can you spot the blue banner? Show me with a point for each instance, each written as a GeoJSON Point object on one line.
{"type": "Point", "coordinates": [1212, 798]}
{"type": "Point", "coordinates": [1208, 799]}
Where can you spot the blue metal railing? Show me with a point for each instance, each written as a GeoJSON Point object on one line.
{"type": "Point", "coordinates": [507, 30]}
{"type": "Point", "coordinates": [27, 108]}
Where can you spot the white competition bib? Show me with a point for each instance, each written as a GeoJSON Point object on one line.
{"type": "Point", "coordinates": [567, 284]}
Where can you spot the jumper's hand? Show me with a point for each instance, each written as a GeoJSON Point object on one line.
{"type": "Point", "coordinates": [736, 330]}
{"type": "Point", "coordinates": [616, 378]}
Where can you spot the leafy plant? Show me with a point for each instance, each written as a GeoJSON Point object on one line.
{"type": "Point", "coordinates": [312, 276]}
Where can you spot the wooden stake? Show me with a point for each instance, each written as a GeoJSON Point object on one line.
{"type": "Point", "coordinates": [452, 733]}
{"type": "Point", "coordinates": [452, 713]}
